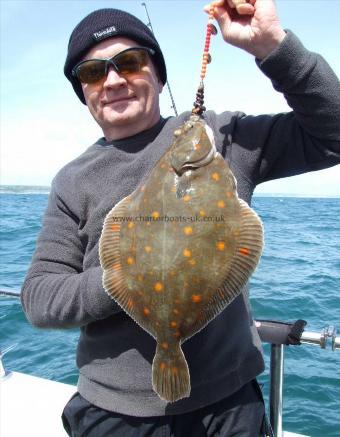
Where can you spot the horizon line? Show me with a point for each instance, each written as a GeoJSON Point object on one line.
{"type": "Point", "coordinates": [264, 194]}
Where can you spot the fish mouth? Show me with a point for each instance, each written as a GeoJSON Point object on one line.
{"type": "Point", "coordinates": [181, 167]}
{"type": "Point", "coordinates": [184, 157]}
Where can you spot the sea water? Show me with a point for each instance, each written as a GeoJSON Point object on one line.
{"type": "Point", "coordinates": [298, 278]}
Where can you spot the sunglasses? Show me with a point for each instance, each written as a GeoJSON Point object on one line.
{"type": "Point", "coordinates": [127, 62]}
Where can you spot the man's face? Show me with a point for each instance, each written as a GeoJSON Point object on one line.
{"type": "Point", "coordinates": [123, 105]}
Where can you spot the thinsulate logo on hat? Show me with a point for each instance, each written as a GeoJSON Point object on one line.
{"type": "Point", "coordinates": [102, 34]}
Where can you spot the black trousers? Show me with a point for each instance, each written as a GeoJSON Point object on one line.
{"type": "Point", "coordinates": [239, 415]}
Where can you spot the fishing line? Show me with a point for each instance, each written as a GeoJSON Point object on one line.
{"type": "Point", "coordinates": [199, 107]}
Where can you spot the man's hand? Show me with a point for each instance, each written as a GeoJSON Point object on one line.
{"type": "Point", "coordinates": [252, 25]}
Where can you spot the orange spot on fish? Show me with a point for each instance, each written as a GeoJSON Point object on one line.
{"type": "Point", "coordinates": [146, 311]}
{"type": "Point", "coordinates": [140, 277]}
{"type": "Point", "coordinates": [148, 224]}
{"type": "Point", "coordinates": [158, 287]}
{"type": "Point", "coordinates": [173, 324]}
{"type": "Point", "coordinates": [186, 198]}
{"type": "Point", "coordinates": [196, 298]}
{"type": "Point", "coordinates": [244, 251]}
{"type": "Point", "coordinates": [142, 188]}
{"type": "Point", "coordinates": [173, 189]}
{"type": "Point", "coordinates": [188, 230]}
{"type": "Point", "coordinates": [116, 265]}
{"type": "Point", "coordinates": [177, 301]}
{"type": "Point", "coordinates": [202, 213]}
{"type": "Point", "coordinates": [187, 253]}
{"type": "Point", "coordinates": [176, 334]}
{"type": "Point", "coordinates": [220, 245]}
{"type": "Point", "coordinates": [115, 227]}
{"type": "Point", "coordinates": [162, 366]}
{"type": "Point", "coordinates": [175, 311]}
{"type": "Point", "coordinates": [174, 371]}
{"type": "Point", "coordinates": [130, 304]}
{"type": "Point", "coordinates": [192, 262]}
{"type": "Point", "coordinates": [163, 165]}
{"type": "Point", "coordinates": [197, 146]}
{"type": "Point", "coordinates": [147, 249]}
{"type": "Point", "coordinates": [221, 204]}
{"type": "Point", "coordinates": [215, 176]}
{"type": "Point", "coordinates": [229, 194]}
{"type": "Point", "coordinates": [140, 293]}
{"type": "Point", "coordinates": [130, 260]}
{"type": "Point", "coordinates": [165, 345]}
{"type": "Point", "coordinates": [221, 294]}
{"type": "Point", "coordinates": [130, 225]}
{"type": "Point", "coordinates": [155, 215]}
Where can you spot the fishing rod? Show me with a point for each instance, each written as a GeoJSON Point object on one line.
{"type": "Point", "coordinates": [173, 105]}
{"type": "Point", "coordinates": [10, 293]}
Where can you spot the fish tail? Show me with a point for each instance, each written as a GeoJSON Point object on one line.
{"type": "Point", "coordinates": [170, 373]}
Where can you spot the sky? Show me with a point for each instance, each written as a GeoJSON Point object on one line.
{"type": "Point", "coordinates": [44, 125]}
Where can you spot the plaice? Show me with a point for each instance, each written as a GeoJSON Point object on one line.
{"type": "Point", "coordinates": [179, 249]}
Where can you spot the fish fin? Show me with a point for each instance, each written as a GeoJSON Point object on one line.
{"type": "Point", "coordinates": [170, 373]}
{"type": "Point", "coordinates": [113, 271]}
{"type": "Point", "coordinates": [110, 237]}
{"type": "Point", "coordinates": [110, 257]}
{"type": "Point", "coordinates": [246, 257]}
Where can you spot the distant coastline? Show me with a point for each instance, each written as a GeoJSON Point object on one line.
{"type": "Point", "coordinates": [24, 189]}
{"type": "Point", "coordinates": [45, 189]}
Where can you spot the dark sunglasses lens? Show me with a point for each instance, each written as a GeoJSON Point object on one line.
{"type": "Point", "coordinates": [91, 71]}
{"type": "Point", "coordinates": [131, 61]}
{"type": "Point", "coordinates": [127, 62]}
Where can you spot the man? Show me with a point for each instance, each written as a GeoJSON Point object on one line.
{"type": "Point", "coordinates": [63, 287]}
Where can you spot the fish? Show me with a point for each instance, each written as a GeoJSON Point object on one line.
{"type": "Point", "coordinates": [179, 249]}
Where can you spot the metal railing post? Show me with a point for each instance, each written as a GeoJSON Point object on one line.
{"type": "Point", "coordinates": [276, 388]}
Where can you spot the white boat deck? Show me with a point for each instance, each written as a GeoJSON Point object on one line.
{"type": "Point", "coordinates": [32, 406]}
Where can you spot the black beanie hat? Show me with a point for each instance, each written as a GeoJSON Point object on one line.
{"type": "Point", "coordinates": [103, 24]}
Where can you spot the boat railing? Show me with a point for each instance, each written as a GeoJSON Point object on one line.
{"type": "Point", "coordinates": [278, 334]}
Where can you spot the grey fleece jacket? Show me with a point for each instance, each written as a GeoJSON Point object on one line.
{"type": "Point", "coordinates": [63, 287]}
